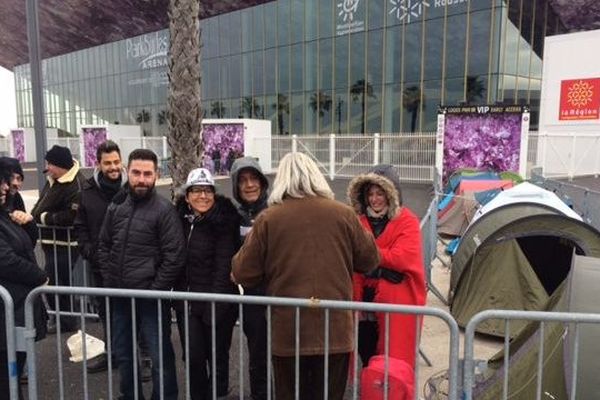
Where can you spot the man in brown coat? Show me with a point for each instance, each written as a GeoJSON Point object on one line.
{"type": "Point", "coordinates": [306, 245]}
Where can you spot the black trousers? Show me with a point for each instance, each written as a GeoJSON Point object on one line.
{"type": "Point", "coordinates": [368, 334]}
{"type": "Point", "coordinates": [254, 325]}
{"type": "Point", "coordinates": [4, 385]}
{"type": "Point", "coordinates": [60, 270]}
{"type": "Point", "coordinates": [200, 348]}
{"type": "Point", "coordinates": [312, 376]}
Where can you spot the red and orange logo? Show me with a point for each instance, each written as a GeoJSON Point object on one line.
{"type": "Point", "coordinates": [580, 99]}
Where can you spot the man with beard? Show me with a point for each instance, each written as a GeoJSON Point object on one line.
{"type": "Point", "coordinates": [98, 191]}
{"type": "Point", "coordinates": [141, 246]}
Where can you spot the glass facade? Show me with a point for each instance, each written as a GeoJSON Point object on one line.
{"type": "Point", "coordinates": [314, 66]}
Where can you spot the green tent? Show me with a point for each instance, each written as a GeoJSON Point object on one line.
{"type": "Point", "coordinates": [576, 294]}
{"type": "Point", "coordinates": [514, 257]}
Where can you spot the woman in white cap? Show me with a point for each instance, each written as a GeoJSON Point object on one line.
{"type": "Point", "coordinates": [211, 224]}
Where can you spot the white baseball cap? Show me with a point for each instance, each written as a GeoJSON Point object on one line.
{"type": "Point", "coordinates": [198, 177]}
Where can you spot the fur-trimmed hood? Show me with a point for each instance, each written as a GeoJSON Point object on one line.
{"type": "Point", "coordinates": [379, 176]}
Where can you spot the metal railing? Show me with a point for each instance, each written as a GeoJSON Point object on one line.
{"type": "Point", "coordinates": [11, 343]}
{"type": "Point", "coordinates": [543, 318]}
{"type": "Point", "coordinates": [57, 251]}
{"type": "Point", "coordinates": [298, 305]}
{"type": "Point", "coordinates": [583, 200]}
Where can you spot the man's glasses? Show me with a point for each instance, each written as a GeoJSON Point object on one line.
{"type": "Point", "coordinates": [207, 190]}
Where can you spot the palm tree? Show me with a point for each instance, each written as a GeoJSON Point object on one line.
{"type": "Point", "coordinates": [250, 107]}
{"type": "Point", "coordinates": [283, 107]}
{"type": "Point", "coordinates": [320, 101]}
{"type": "Point", "coordinates": [162, 117]}
{"type": "Point", "coordinates": [142, 116]}
{"type": "Point", "coordinates": [411, 101]}
{"type": "Point", "coordinates": [359, 90]}
{"type": "Point", "coordinates": [184, 107]}
{"type": "Point", "coordinates": [217, 109]}
{"type": "Point", "coordinates": [475, 89]}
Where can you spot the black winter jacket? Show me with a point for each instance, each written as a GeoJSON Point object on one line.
{"type": "Point", "coordinates": [58, 205]}
{"type": "Point", "coordinates": [141, 243]}
{"type": "Point", "coordinates": [212, 241]}
{"type": "Point", "coordinates": [19, 274]}
{"type": "Point", "coordinates": [90, 215]}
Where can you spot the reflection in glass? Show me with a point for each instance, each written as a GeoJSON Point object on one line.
{"type": "Point", "coordinates": [411, 103]}
{"type": "Point", "coordinates": [282, 108]}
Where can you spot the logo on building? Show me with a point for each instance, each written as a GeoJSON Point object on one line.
{"type": "Point", "coordinates": [347, 9]}
{"type": "Point", "coordinates": [407, 10]}
{"type": "Point", "coordinates": [580, 99]}
{"type": "Point", "coordinates": [347, 18]}
{"type": "Point", "coordinates": [150, 50]}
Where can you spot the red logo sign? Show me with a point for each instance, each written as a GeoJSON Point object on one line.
{"type": "Point", "coordinates": [580, 99]}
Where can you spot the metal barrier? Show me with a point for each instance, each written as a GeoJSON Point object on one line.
{"type": "Point", "coordinates": [429, 237]}
{"type": "Point", "coordinates": [507, 316]}
{"type": "Point", "coordinates": [347, 155]}
{"type": "Point", "coordinates": [583, 200]}
{"type": "Point", "coordinates": [299, 305]}
{"type": "Point", "coordinates": [11, 344]}
{"type": "Point", "coordinates": [58, 253]}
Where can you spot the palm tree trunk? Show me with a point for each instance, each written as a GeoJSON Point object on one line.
{"type": "Point", "coordinates": [184, 106]}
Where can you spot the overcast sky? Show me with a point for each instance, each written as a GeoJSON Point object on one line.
{"type": "Point", "coordinates": [8, 104]}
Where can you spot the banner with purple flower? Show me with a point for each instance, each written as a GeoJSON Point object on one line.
{"type": "Point", "coordinates": [18, 143]}
{"type": "Point", "coordinates": [483, 137]}
{"type": "Point", "coordinates": [92, 138]}
{"type": "Point", "coordinates": [222, 144]}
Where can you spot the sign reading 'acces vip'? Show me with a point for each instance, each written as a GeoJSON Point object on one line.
{"type": "Point", "coordinates": [579, 99]}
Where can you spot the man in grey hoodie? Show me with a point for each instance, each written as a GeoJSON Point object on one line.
{"type": "Point", "coordinates": [250, 190]}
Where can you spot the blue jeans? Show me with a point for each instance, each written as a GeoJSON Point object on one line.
{"type": "Point", "coordinates": [147, 327]}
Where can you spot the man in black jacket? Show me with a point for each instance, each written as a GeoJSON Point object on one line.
{"type": "Point", "coordinates": [142, 246]}
{"type": "Point", "coordinates": [57, 207]}
{"type": "Point", "coordinates": [98, 191]}
{"type": "Point", "coordinates": [250, 190]}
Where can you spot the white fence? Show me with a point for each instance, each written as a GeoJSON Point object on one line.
{"type": "Point", "coordinates": [559, 154]}
{"type": "Point", "coordinates": [568, 154]}
{"type": "Point", "coordinates": [413, 154]}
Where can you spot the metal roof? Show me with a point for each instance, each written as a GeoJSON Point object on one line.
{"type": "Point", "coordinates": [70, 25]}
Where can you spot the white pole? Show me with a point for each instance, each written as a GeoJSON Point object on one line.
{"type": "Point", "coordinates": [164, 148]}
{"type": "Point", "coordinates": [376, 144]}
{"type": "Point", "coordinates": [332, 156]}
{"type": "Point", "coordinates": [294, 143]}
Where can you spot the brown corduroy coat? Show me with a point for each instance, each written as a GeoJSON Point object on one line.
{"type": "Point", "coordinates": [307, 248]}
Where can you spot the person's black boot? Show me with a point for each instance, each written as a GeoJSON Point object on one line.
{"type": "Point", "coordinates": [98, 364]}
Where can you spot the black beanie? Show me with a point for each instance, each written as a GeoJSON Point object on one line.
{"type": "Point", "coordinates": [13, 165]}
{"type": "Point", "coordinates": [60, 156]}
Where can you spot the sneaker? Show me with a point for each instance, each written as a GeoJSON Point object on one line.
{"type": "Point", "coordinates": [98, 364]}
{"type": "Point", "coordinates": [146, 369]}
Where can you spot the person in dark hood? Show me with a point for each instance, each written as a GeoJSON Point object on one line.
{"type": "Point", "coordinates": [19, 275]}
{"type": "Point", "coordinates": [400, 276]}
{"type": "Point", "coordinates": [250, 190]}
{"type": "Point", "coordinates": [15, 200]}
{"type": "Point", "coordinates": [211, 225]}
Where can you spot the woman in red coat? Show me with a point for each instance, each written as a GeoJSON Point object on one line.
{"type": "Point", "coordinates": [400, 277]}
